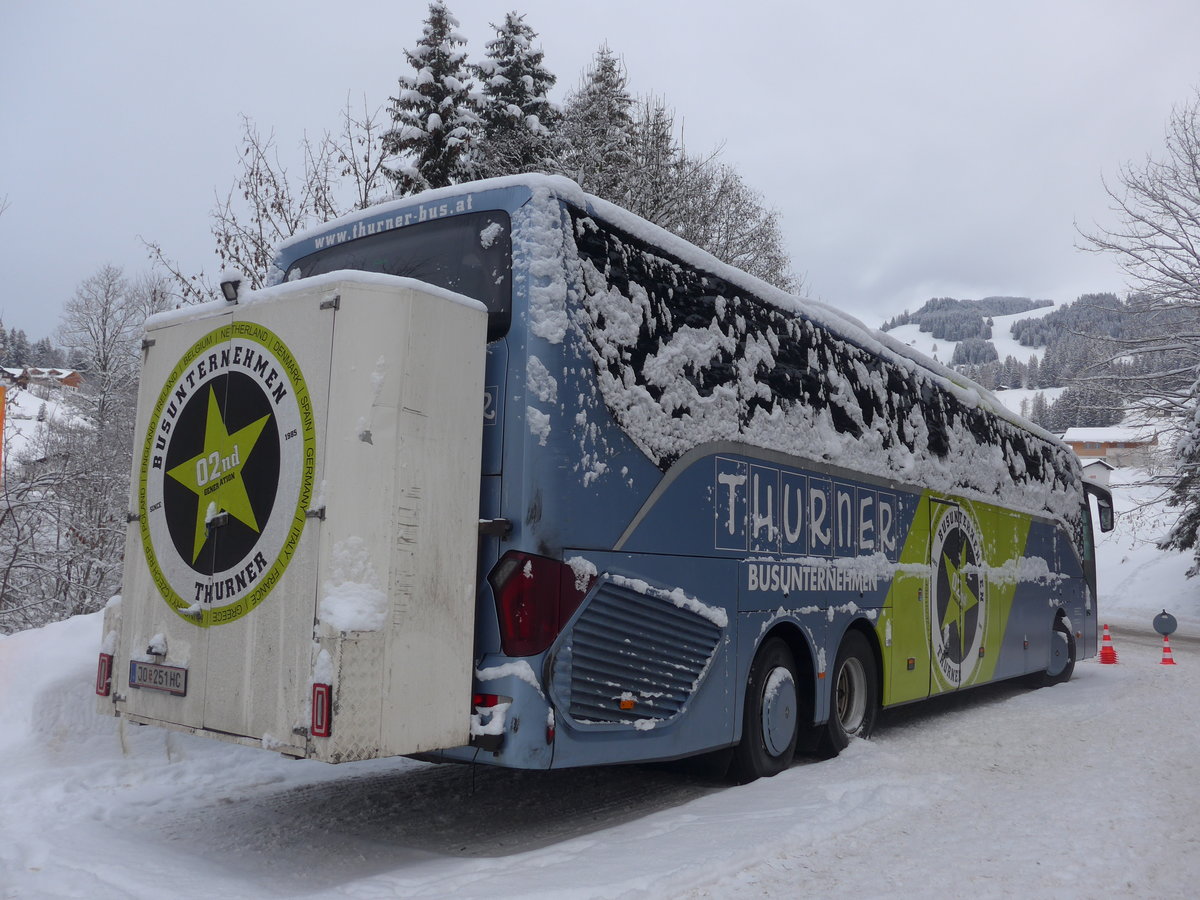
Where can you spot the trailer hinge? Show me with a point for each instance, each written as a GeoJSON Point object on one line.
{"type": "Point", "coordinates": [147, 343]}
{"type": "Point", "coordinates": [132, 517]}
{"type": "Point", "coordinates": [220, 520]}
{"type": "Point", "coordinates": [334, 302]}
{"type": "Point", "coordinates": [315, 513]}
{"type": "Point", "coordinates": [500, 528]}
{"type": "Point", "coordinates": [300, 730]}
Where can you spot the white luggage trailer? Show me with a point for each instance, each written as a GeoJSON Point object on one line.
{"type": "Point", "coordinates": [301, 552]}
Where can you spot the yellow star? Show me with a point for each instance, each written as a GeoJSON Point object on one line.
{"type": "Point", "coordinates": [215, 474]}
{"type": "Point", "coordinates": [961, 599]}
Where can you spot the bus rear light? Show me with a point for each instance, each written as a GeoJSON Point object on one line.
{"type": "Point", "coordinates": [104, 675]}
{"type": "Point", "coordinates": [535, 597]}
{"type": "Point", "coordinates": [322, 710]}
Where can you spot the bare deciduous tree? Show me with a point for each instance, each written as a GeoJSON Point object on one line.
{"type": "Point", "coordinates": [359, 151]}
{"type": "Point", "coordinates": [268, 202]}
{"type": "Point", "coordinates": [101, 329]}
{"type": "Point", "coordinates": [64, 499]}
{"type": "Point", "coordinates": [1157, 243]}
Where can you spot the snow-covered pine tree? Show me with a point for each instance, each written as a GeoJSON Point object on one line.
{"type": "Point", "coordinates": [18, 347]}
{"type": "Point", "coordinates": [43, 354]}
{"type": "Point", "coordinates": [518, 118]}
{"type": "Point", "coordinates": [1039, 409]}
{"type": "Point", "coordinates": [435, 117]}
{"type": "Point", "coordinates": [627, 153]}
{"type": "Point", "coordinates": [596, 135]}
{"type": "Point", "coordinates": [1185, 533]}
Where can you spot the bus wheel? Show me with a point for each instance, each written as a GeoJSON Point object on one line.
{"type": "Point", "coordinates": [770, 716]}
{"type": "Point", "coordinates": [1062, 655]}
{"type": "Point", "coordinates": [855, 699]}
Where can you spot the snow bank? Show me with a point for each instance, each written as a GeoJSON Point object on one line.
{"type": "Point", "coordinates": [1136, 579]}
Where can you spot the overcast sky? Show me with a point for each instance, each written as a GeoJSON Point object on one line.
{"type": "Point", "coordinates": [913, 149]}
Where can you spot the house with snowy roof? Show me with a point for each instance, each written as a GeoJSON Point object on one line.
{"type": "Point", "coordinates": [55, 376]}
{"type": "Point", "coordinates": [1119, 445]}
{"type": "Point", "coordinates": [15, 375]}
{"type": "Point", "coordinates": [1097, 471]}
{"type": "Point", "coordinates": [23, 376]}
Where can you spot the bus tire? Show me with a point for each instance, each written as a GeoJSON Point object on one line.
{"type": "Point", "coordinates": [1062, 656]}
{"type": "Point", "coordinates": [770, 715]}
{"type": "Point", "coordinates": [855, 700]}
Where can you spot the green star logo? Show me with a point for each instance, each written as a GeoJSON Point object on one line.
{"type": "Point", "coordinates": [961, 599]}
{"type": "Point", "coordinates": [214, 474]}
{"type": "Point", "coordinates": [230, 449]}
{"type": "Point", "coordinates": [958, 596]}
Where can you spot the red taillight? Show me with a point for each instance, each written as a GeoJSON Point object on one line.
{"type": "Point", "coordinates": [535, 597]}
{"type": "Point", "coordinates": [322, 710]}
{"type": "Point", "coordinates": [104, 675]}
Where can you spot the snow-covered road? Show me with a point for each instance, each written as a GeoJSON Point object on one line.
{"type": "Point", "coordinates": [1087, 789]}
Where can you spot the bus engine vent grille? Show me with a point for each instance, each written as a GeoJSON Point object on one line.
{"type": "Point", "coordinates": [631, 657]}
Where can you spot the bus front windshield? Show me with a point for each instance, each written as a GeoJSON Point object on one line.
{"type": "Point", "coordinates": [470, 254]}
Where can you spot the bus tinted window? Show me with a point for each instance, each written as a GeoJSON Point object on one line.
{"type": "Point", "coordinates": [470, 254]}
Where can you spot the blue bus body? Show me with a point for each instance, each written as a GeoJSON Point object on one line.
{"type": "Point", "coordinates": [681, 464]}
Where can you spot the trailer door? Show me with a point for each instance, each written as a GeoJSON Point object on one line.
{"type": "Point", "coordinates": [260, 456]}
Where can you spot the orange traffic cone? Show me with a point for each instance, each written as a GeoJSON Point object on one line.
{"type": "Point", "coordinates": [1108, 654]}
{"type": "Point", "coordinates": [1167, 659]}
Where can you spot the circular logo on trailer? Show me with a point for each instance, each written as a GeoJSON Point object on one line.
{"type": "Point", "coordinates": [959, 596]}
{"type": "Point", "coordinates": [226, 473]}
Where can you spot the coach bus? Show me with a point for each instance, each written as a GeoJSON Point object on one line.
{"type": "Point", "coordinates": [714, 517]}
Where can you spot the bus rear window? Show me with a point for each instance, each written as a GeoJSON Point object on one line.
{"type": "Point", "coordinates": [470, 254]}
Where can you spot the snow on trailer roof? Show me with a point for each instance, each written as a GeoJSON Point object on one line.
{"type": "Point", "coordinates": [329, 280]}
{"type": "Point", "coordinates": [837, 321]}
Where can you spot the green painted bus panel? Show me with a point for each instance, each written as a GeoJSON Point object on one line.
{"type": "Point", "coordinates": [950, 605]}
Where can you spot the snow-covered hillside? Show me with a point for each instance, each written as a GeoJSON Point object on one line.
{"type": "Point", "coordinates": [1081, 790]}
{"type": "Point", "coordinates": [1006, 344]}
{"type": "Point", "coordinates": [1017, 399]}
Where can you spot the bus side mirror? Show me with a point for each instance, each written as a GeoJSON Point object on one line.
{"type": "Point", "coordinates": [1104, 505]}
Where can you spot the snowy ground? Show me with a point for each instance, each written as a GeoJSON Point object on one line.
{"type": "Point", "coordinates": [23, 407]}
{"type": "Point", "coordinates": [1083, 790]}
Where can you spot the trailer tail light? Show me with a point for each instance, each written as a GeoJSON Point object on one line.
{"type": "Point", "coordinates": [535, 597]}
{"type": "Point", "coordinates": [104, 674]}
{"type": "Point", "coordinates": [322, 710]}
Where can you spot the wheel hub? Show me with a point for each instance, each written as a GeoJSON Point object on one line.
{"type": "Point", "coordinates": [779, 708]}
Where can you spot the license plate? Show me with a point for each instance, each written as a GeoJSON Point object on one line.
{"type": "Point", "coordinates": [156, 677]}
